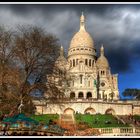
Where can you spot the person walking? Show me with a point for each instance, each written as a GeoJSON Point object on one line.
{"type": "Point", "coordinates": [5, 130]}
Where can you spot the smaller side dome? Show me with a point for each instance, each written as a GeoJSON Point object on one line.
{"type": "Point", "coordinates": [102, 61]}
{"type": "Point", "coordinates": [61, 60]}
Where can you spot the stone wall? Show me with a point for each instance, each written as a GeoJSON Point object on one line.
{"type": "Point", "coordinates": [136, 110]}
{"type": "Point", "coordinates": [83, 107]}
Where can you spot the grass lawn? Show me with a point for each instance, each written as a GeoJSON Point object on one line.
{"type": "Point", "coordinates": [45, 118]}
{"type": "Point", "coordinates": [137, 117]}
{"type": "Point", "coordinates": [94, 121]}
{"type": "Point", "coordinates": [99, 121]}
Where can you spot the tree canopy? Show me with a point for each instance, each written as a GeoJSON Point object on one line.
{"type": "Point", "coordinates": [133, 92]}
{"type": "Point", "coordinates": [27, 55]}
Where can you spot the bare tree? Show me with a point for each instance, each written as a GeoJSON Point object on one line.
{"type": "Point", "coordinates": [9, 73]}
{"type": "Point", "coordinates": [28, 63]}
{"type": "Point", "coordinates": [35, 54]}
{"type": "Point", "coordinates": [58, 82]}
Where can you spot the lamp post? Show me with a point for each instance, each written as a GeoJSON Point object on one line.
{"type": "Point", "coordinates": [20, 106]}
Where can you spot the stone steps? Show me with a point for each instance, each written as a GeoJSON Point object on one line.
{"type": "Point", "coordinates": [67, 121]}
{"type": "Point", "coordinates": [126, 120]}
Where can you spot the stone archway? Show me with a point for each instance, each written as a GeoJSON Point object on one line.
{"type": "Point", "coordinates": [81, 95]}
{"type": "Point", "coordinates": [69, 111]}
{"type": "Point", "coordinates": [90, 110]}
{"type": "Point", "coordinates": [110, 111]}
{"type": "Point", "coordinates": [89, 95]}
{"type": "Point", "coordinates": [72, 95]}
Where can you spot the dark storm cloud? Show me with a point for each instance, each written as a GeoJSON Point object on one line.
{"type": "Point", "coordinates": [116, 26]}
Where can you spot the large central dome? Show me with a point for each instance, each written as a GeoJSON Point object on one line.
{"type": "Point", "coordinates": [82, 38]}
{"type": "Point", "coordinates": [82, 43]}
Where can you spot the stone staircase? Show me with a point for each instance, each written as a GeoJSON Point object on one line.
{"type": "Point", "coordinates": [126, 120]}
{"type": "Point", "coordinates": [67, 121]}
{"type": "Point", "coordinates": [119, 119]}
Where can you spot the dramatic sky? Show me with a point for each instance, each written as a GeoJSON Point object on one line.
{"type": "Point", "coordinates": [117, 26]}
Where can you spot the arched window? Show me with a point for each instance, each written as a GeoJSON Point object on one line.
{"type": "Point", "coordinates": [73, 63]}
{"type": "Point", "coordinates": [89, 95]}
{"type": "Point", "coordinates": [93, 63]}
{"type": "Point", "coordinates": [90, 62]}
{"type": "Point", "coordinates": [72, 95]}
{"type": "Point", "coordinates": [86, 63]}
{"type": "Point", "coordinates": [88, 83]}
{"type": "Point", "coordinates": [70, 63]}
{"type": "Point", "coordinates": [80, 95]}
{"type": "Point", "coordinates": [73, 82]}
{"type": "Point", "coordinates": [81, 76]}
{"type": "Point", "coordinates": [102, 72]}
{"type": "Point", "coordinates": [76, 61]}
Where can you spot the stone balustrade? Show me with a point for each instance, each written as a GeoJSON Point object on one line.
{"type": "Point", "coordinates": [135, 131]}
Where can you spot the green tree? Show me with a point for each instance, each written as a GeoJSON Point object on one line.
{"type": "Point", "coordinates": [133, 92]}
{"type": "Point", "coordinates": [111, 95]}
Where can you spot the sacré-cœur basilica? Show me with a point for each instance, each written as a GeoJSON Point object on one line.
{"type": "Point", "coordinates": [92, 88]}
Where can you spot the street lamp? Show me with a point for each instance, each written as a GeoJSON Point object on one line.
{"type": "Point", "coordinates": [20, 106]}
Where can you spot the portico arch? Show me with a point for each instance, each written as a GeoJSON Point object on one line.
{"type": "Point", "coordinates": [69, 111]}
{"type": "Point", "coordinates": [90, 110]}
{"type": "Point", "coordinates": [110, 111]}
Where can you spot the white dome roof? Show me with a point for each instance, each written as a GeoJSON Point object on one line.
{"type": "Point", "coordinates": [82, 42]}
{"type": "Point", "coordinates": [82, 39]}
{"type": "Point", "coordinates": [102, 60]}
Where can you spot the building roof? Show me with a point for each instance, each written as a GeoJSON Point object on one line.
{"type": "Point", "coordinates": [82, 38]}
{"type": "Point", "coordinates": [102, 60]}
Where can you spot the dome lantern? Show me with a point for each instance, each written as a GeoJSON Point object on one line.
{"type": "Point", "coordinates": [61, 51]}
{"type": "Point", "coordinates": [102, 50]}
{"type": "Point", "coordinates": [82, 22]}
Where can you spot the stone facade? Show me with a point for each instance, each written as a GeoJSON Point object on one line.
{"type": "Point", "coordinates": [91, 80]}
{"type": "Point", "coordinates": [91, 76]}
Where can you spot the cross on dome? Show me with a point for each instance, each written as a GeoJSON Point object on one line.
{"type": "Point", "coordinates": [61, 51]}
{"type": "Point", "coordinates": [102, 50]}
{"type": "Point", "coordinates": [82, 22]}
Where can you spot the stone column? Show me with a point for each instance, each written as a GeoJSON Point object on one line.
{"type": "Point", "coordinates": [85, 95]}
{"type": "Point", "coordinates": [94, 94]}
{"type": "Point", "coordinates": [76, 95]}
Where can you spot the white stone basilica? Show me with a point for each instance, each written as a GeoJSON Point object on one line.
{"type": "Point", "coordinates": [92, 88]}
{"type": "Point", "coordinates": [91, 77]}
